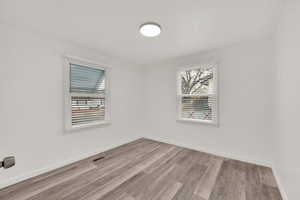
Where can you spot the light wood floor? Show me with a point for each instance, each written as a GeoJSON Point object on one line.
{"type": "Point", "coordinates": [150, 170]}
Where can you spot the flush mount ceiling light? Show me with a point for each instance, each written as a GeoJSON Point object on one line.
{"type": "Point", "coordinates": [150, 29]}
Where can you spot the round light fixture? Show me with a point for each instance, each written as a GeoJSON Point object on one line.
{"type": "Point", "coordinates": [150, 29]}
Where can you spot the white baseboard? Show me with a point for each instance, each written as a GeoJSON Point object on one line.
{"type": "Point", "coordinates": [57, 165]}
{"type": "Point", "coordinates": [279, 183]}
{"type": "Point", "coordinates": [217, 153]}
{"type": "Point", "coordinates": [239, 158]}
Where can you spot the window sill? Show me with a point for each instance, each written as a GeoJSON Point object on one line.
{"type": "Point", "coordinates": [90, 125]}
{"type": "Point", "coordinates": [197, 121]}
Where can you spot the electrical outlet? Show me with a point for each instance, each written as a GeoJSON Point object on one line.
{"type": "Point", "coordinates": [8, 162]}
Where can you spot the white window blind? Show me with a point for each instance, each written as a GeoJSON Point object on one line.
{"type": "Point", "coordinates": [197, 94]}
{"type": "Point", "coordinates": [87, 94]}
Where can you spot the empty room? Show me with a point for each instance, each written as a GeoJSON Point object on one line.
{"type": "Point", "coordinates": [149, 100]}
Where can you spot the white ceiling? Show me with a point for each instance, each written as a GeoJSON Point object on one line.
{"type": "Point", "coordinates": [188, 26]}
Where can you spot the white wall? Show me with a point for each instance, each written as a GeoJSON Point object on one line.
{"type": "Point", "coordinates": [257, 87]}
{"type": "Point", "coordinates": [32, 128]}
{"type": "Point", "coordinates": [246, 77]}
{"type": "Point", "coordinates": [31, 105]}
{"type": "Point", "coordinates": [288, 96]}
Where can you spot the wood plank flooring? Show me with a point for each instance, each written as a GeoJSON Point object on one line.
{"type": "Point", "coordinates": [150, 170]}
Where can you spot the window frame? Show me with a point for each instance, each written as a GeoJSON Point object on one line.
{"type": "Point", "coordinates": [215, 121]}
{"type": "Point", "coordinates": [68, 94]}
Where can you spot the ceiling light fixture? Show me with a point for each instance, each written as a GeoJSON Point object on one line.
{"type": "Point", "coordinates": [150, 29]}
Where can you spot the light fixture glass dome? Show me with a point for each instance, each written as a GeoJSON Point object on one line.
{"type": "Point", "coordinates": [150, 29]}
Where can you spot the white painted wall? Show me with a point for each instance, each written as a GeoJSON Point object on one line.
{"type": "Point", "coordinates": [32, 128]}
{"type": "Point", "coordinates": [31, 105]}
{"type": "Point", "coordinates": [287, 161]}
{"type": "Point", "coordinates": [257, 87]}
{"type": "Point", "coordinates": [246, 77]}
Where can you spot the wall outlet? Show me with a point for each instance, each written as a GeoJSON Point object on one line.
{"type": "Point", "coordinates": [8, 162]}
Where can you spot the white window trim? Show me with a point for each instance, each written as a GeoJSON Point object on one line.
{"type": "Point", "coordinates": [68, 95]}
{"type": "Point", "coordinates": [214, 122]}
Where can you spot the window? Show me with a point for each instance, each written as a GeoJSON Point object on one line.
{"type": "Point", "coordinates": [197, 94]}
{"type": "Point", "coordinates": [87, 92]}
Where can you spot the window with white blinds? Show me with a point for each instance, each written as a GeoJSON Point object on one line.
{"type": "Point", "coordinates": [197, 94]}
{"type": "Point", "coordinates": [87, 94]}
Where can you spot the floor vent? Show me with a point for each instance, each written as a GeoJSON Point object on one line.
{"type": "Point", "coordinates": [99, 158]}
